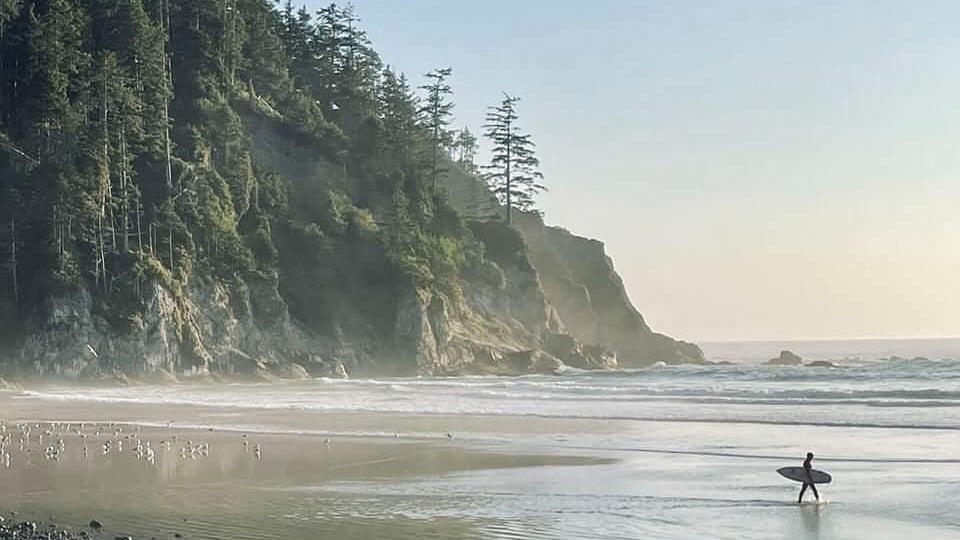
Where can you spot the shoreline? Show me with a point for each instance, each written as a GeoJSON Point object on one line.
{"type": "Point", "coordinates": [399, 475]}
{"type": "Point", "coordinates": [223, 487]}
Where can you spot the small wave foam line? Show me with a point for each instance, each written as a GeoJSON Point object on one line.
{"type": "Point", "coordinates": [386, 409]}
{"type": "Point", "coordinates": [767, 456]}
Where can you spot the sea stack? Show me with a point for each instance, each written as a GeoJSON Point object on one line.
{"type": "Point", "coordinates": [786, 358]}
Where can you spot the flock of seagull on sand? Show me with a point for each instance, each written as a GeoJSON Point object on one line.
{"type": "Point", "coordinates": [48, 439]}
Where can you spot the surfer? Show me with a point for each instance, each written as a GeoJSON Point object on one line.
{"type": "Point", "coordinates": [807, 467]}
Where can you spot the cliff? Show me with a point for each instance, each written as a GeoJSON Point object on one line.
{"type": "Point", "coordinates": [580, 281]}
{"type": "Point", "coordinates": [265, 215]}
{"type": "Point", "coordinates": [529, 300]}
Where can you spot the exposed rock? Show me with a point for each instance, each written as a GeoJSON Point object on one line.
{"type": "Point", "coordinates": [580, 282]}
{"type": "Point", "coordinates": [575, 354]}
{"type": "Point", "coordinates": [786, 358]}
{"type": "Point", "coordinates": [545, 364]}
{"type": "Point", "coordinates": [292, 371]}
{"type": "Point", "coordinates": [265, 375]}
{"type": "Point", "coordinates": [821, 363]}
{"type": "Point", "coordinates": [532, 361]}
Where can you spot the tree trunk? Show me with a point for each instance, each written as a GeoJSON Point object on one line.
{"type": "Point", "coordinates": [13, 261]}
{"type": "Point", "coordinates": [509, 182]}
{"type": "Point", "coordinates": [124, 196]}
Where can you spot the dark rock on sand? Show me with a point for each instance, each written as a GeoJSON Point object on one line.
{"type": "Point", "coordinates": [786, 358]}
{"type": "Point", "coordinates": [29, 530]}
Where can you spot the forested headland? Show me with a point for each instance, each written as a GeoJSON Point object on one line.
{"type": "Point", "coordinates": [234, 187]}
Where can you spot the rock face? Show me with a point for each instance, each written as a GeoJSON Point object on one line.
{"type": "Point", "coordinates": [234, 329]}
{"type": "Point", "coordinates": [529, 299]}
{"type": "Point", "coordinates": [580, 281]}
{"type": "Point", "coordinates": [786, 358]}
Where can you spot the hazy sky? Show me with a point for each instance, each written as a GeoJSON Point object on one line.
{"type": "Point", "coordinates": [758, 169]}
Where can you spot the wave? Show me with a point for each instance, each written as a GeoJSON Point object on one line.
{"type": "Point", "coordinates": [820, 458]}
{"type": "Point", "coordinates": [417, 407]}
{"type": "Point", "coordinates": [541, 392]}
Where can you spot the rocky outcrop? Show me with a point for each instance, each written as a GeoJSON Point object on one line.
{"type": "Point", "coordinates": [821, 363]}
{"type": "Point", "coordinates": [580, 282]}
{"type": "Point", "coordinates": [530, 299]}
{"type": "Point", "coordinates": [240, 328]}
{"type": "Point", "coordinates": [786, 358]}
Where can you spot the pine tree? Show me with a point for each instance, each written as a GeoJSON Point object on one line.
{"type": "Point", "coordinates": [296, 36]}
{"type": "Point", "coordinates": [436, 111]}
{"type": "Point", "coordinates": [465, 150]}
{"type": "Point", "coordinates": [264, 63]}
{"type": "Point", "coordinates": [512, 174]}
{"type": "Point", "coordinates": [346, 68]}
{"type": "Point", "coordinates": [396, 110]}
{"type": "Point", "coordinates": [57, 60]}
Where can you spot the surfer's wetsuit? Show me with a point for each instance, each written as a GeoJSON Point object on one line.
{"type": "Point", "coordinates": [809, 483]}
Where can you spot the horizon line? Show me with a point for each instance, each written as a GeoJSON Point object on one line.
{"type": "Point", "coordinates": [801, 340]}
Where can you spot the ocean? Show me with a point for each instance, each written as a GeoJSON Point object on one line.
{"type": "Point", "coordinates": [681, 451]}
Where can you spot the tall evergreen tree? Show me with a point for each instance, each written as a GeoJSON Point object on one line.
{"type": "Point", "coordinates": [436, 111]}
{"type": "Point", "coordinates": [513, 173]}
{"type": "Point", "coordinates": [296, 36]}
{"type": "Point", "coordinates": [397, 110]}
{"type": "Point", "coordinates": [465, 150]}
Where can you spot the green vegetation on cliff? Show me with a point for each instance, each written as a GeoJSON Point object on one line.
{"type": "Point", "coordinates": [207, 183]}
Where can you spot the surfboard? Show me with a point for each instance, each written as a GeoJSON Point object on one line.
{"type": "Point", "coordinates": [797, 474]}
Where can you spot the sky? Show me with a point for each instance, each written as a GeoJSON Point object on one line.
{"type": "Point", "coordinates": [758, 169]}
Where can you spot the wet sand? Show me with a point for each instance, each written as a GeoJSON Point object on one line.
{"type": "Point", "coordinates": [206, 483]}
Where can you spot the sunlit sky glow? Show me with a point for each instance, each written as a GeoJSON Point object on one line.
{"type": "Point", "coordinates": [758, 169]}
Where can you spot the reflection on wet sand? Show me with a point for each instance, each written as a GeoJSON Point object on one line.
{"type": "Point", "coordinates": [215, 484]}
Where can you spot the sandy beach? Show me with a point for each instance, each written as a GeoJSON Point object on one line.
{"type": "Point", "coordinates": [227, 481]}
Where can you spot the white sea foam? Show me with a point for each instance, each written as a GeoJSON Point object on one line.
{"type": "Point", "coordinates": [896, 394]}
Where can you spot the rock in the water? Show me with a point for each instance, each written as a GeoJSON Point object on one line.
{"type": "Point", "coordinates": [545, 364]}
{"type": "Point", "coordinates": [575, 354]}
{"type": "Point", "coordinates": [821, 363]}
{"type": "Point", "coordinates": [94, 524]}
{"type": "Point", "coordinates": [786, 358]}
